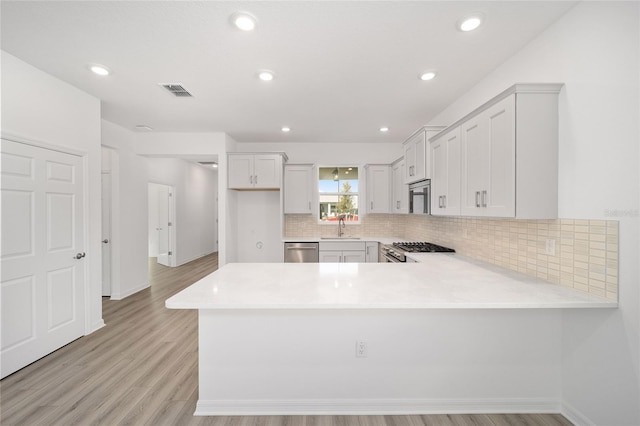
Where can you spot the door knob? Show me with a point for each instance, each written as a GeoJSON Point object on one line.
{"type": "Point", "coordinates": [105, 241]}
{"type": "Point", "coordinates": [79, 255]}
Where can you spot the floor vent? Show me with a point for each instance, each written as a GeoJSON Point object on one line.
{"type": "Point", "coordinates": [177, 90]}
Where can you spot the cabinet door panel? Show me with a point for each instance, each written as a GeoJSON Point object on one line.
{"type": "Point", "coordinates": [399, 200]}
{"type": "Point", "coordinates": [452, 192]}
{"type": "Point", "coordinates": [267, 171]}
{"type": "Point", "coordinates": [410, 161]}
{"type": "Point", "coordinates": [353, 257]}
{"type": "Point", "coordinates": [379, 189]}
{"type": "Point", "coordinates": [438, 176]}
{"type": "Point", "coordinates": [330, 256]}
{"type": "Point", "coordinates": [474, 151]}
{"type": "Point", "coordinates": [421, 156]}
{"type": "Point", "coordinates": [240, 171]}
{"type": "Point", "coordinates": [298, 189]}
{"type": "Point", "coordinates": [500, 187]}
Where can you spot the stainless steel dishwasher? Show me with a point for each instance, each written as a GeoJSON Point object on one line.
{"type": "Point", "coordinates": [301, 252]}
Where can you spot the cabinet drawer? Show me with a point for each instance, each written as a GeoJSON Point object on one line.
{"type": "Point", "coordinates": [342, 245]}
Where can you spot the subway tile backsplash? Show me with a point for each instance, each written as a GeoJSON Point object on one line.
{"type": "Point", "coordinates": [585, 258]}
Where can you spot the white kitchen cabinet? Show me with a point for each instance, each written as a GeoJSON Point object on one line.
{"type": "Point", "coordinates": [342, 252]}
{"type": "Point", "coordinates": [445, 173]}
{"type": "Point", "coordinates": [488, 156]}
{"type": "Point", "coordinates": [399, 190]}
{"type": "Point", "coordinates": [509, 155]}
{"type": "Point", "coordinates": [298, 188]}
{"type": "Point", "coordinates": [416, 154]}
{"type": "Point", "coordinates": [378, 188]}
{"type": "Point", "coordinates": [255, 171]}
{"type": "Point", "coordinates": [371, 251]}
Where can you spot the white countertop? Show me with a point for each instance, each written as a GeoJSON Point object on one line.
{"type": "Point", "coordinates": [440, 281]}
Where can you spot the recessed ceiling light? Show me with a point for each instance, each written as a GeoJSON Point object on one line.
{"type": "Point", "coordinates": [244, 21]}
{"type": "Point", "coordinates": [100, 70]}
{"type": "Point", "coordinates": [144, 127]}
{"type": "Point", "coordinates": [384, 129]}
{"type": "Point", "coordinates": [286, 129]}
{"type": "Point", "coordinates": [427, 75]}
{"type": "Point", "coordinates": [266, 75]}
{"type": "Point", "coordinates": [470, 22]}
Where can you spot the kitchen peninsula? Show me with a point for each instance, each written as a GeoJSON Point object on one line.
{"type": "Point", "coordinates": [449, 334]}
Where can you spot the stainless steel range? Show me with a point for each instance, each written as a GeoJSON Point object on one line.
{"type": "Point", "coordinates": [396, 251]}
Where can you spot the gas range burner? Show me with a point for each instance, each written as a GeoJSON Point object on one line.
{"type": "Point", "coordinates": [422, 247]}
{"type": "Point", "coordinates": [396, 251]}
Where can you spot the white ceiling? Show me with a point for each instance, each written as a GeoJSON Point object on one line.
{"type": "Point", "coordinates": [343, 69]}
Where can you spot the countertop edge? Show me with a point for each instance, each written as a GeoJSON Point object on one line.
{"type": "Point", "coordinates": [434, 306]}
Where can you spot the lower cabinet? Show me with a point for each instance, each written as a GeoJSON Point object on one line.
{"type": "Point", "coordinates": [331, 256]}
{"type": "Point", "coordinates": [371, 251]}
{"type": "Point", "coordinates": [343, 252]}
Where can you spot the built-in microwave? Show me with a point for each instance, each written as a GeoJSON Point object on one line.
{"type": "Point", "coordinates": [420, 197]}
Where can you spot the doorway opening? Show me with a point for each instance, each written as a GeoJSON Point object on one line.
{"type": "Point", "coordinates": [161, 224]}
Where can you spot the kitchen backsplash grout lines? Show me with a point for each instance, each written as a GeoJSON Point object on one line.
{"type": "Point", "coordinates": [586, 251]}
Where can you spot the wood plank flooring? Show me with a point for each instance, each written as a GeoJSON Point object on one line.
{"type": "Point", "coordinates": [142, 368]}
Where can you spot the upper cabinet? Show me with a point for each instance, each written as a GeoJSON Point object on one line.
{"type": "Point", "coordinates": [255, 171]}
{"type": "Point", "coordinates": [416, 154]}
{"type": "Point", "coordinates": [445, 173]}
{"type": "Point", "coordinates": [399, 190]}
{"type": "Point", "coordinates": [489, 162]}
{"type": "Point", "coordinates": [508, 156]}
{"type": "Point", "coordinates": [378, 188]}
{"type": "Point", "coordinates": [298, 188]}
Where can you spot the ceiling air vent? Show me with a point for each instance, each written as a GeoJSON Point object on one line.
{"type": "Point", "coordinates": [177, 90]}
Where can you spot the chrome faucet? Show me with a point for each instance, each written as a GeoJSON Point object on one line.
{"type": "Point", "coordinates": [341, 225]}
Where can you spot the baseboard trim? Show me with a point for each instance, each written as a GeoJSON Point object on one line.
{"type": "Point", "coordinates": [185, 261]}
{"type": "Point", "coordinates": [375, 406]}
{"type": "Point", "coordinates": [575, 416]}
{"type": "Point", "coordinates": [128, 293]}
{"type": "Point", "coordinates": [96, 326]}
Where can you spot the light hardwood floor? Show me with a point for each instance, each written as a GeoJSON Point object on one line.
{"type": "Point", "coordinates": [142, 369]}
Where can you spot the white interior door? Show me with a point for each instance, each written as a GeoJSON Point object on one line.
{"type": "Point", "coordinates": [165, 195]}
{"type": "Point", "coordinates": [42, 282]}
{"type": "Point", "coordinates": [106, 234]}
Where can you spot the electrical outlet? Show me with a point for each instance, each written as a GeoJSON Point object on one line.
{"type": "Point", "coordinates": [361, 349]}
{"type": "Point", "coordinates": [550, 247]}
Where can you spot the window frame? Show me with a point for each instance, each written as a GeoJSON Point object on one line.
{"type": "Point", "coordinates": [357, 194]}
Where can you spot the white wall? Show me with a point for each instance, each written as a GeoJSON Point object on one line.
{"type": "Point", "coordinates": [129, 218]}
{"type": "Point", "coordinates": [39, 107]}
{"type": "Point", "coordinates": [594, 50]}
{"type": "Point", "coordinates": [195, 194]}
{"type": "Point", "coordinates": [259, 234]}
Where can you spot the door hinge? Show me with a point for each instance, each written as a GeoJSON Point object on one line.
{"type": "Point", "coordinates": [170, 224]}
{"type": "Point", "coordinates": [170, 253]}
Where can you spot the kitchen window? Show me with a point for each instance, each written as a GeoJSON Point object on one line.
{"type": "Point", "coordinates": [338, 194]}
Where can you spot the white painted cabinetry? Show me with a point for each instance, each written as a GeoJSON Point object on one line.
{"type": "Point", "coordinates": [342, 252]}
{"type": "Point", "coordinates": [508, 157]}
{"type": "Point", "coordinates": [255, 171]}
{"type": "Point", "coordinates": [371, 251]}
{"type": "Point", "coordinates": [488, 162]}
{"type": "Point", "coordinates": [416, 154]}
{"type": "Point", "coordinates": [445, 174]}
{"type": "Point", "coordinates": [399, 190]}
{"type": "Point", "coordinates": [298, 188]}
{"type": "Point", "coordinates": [509, 152]}
{"type": "Point", "coordinates": [378, 188]}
